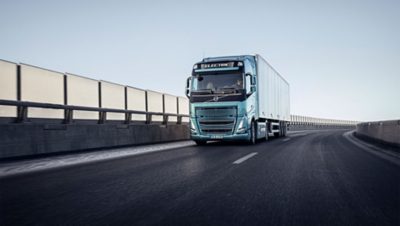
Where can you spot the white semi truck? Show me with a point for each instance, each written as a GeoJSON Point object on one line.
{"type": "Point", "coordinates": [237, 98]}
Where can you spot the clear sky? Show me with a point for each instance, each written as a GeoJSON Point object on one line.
{"type": "Point", "coordinates": [341, 58]}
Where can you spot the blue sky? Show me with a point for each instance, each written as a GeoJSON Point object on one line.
{"type": "Point", "coordinates": [341, 58]}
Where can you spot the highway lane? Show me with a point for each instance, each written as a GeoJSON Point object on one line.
{"type": "Point", "coordinates": [311, 178]}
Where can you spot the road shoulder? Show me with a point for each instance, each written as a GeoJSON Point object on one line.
{"type": "Point", "coordinates": [18, 167]}
{"type": "Point", "coordinates": [380, 152]}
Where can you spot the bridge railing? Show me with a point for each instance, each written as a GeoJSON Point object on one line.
{"type": "Point", "coordinates": [23, 106]}
{"type": "Point", "coordinates": [299, 120]}
{"type": "Point", "coordinates": [29, 93]}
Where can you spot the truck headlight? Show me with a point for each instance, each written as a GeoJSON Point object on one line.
{"type": "Point", "coordinates": [192, 127]}
{"type": "Point", "coordinates": [241, 127]}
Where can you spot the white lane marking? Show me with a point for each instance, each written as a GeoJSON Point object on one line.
{"type": "Point", "coordinates": [34, 165]}
{"type": "Point", "coordinates": [298, 134]}
{"type": "Point", "coordinates": [245, 158]}
{"type": "Point", "coordinates": [287, 139]}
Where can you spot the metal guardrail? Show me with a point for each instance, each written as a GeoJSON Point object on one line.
{"type": "Point", "coordinates": [300, 120]}
{"type": "Point", "coordinates": [23, 106]}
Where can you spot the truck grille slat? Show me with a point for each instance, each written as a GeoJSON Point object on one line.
{"type": "Point", "coordinates": [216, 122]}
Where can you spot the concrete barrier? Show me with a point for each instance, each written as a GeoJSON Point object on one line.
{"type": "Point", "coordinates": [18, 140]}
{"type": "Point", "coordinates": [387, 132]}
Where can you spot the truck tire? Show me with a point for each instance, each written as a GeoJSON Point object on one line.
{"type": "Point", "coordinates": [277, 134]}
{"type": "Point", "coordinates": [253, 135]}
{"type": "Point", "coordinates": [266, 131]}
{"type": "Point", "coordinates": [281, 129]}
{"type": "Point", "coordinates": [200, 142]}
{"type": "Point", "coordinates": [284, 129]}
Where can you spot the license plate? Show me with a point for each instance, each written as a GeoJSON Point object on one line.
{"type": "Point", "coordinates": [217, 136]}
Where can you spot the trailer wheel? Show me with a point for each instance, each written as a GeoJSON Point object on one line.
{"type": "Point", "coordinates": [279, 134]}
{"type": "Point", "coordinates": [200, 142]}
{"type": "Point", "coordinates": [281, 129]}
{"type": "Point", "coordinates": [284, 129]}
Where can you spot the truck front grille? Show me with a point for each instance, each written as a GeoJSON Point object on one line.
{"type": "Point", "coordinates": [216, 120]}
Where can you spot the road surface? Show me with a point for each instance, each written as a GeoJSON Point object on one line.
{"type": "Point", "coordinates": [307, 178]}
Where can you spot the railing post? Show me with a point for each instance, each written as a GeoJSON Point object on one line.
{"type": "Point", "coordinates": [163, 104]}
{"type": "Point", "coordinates": [68, 116]}
{"type": "Point", "coordinates": [178, 118]}
{"type": "Point", "coordinates": [128, 118]}
{"type": "Point", "coordinates": [22, 114]}
{"type": "Point", "coordinates": [165, 119]}
{"type": "Point", "coordinates": [148, 118]}
{"type": "Point", "coordinates": [22, 111]}
{"type": "Point", "coordinates": [19, 93]}
{"type": "Point", "coordinates": [103, 117]}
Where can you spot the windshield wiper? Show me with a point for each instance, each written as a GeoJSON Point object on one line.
{"type": "Point", "coordinates": [229, 89]}
{"type": "Point", "coordinates": [217, 98]}
{"type": "Point", "coordinates": [203, 91]}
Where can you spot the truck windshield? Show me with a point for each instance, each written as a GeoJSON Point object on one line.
{"type": "Point", "coordinates": [217, 83]}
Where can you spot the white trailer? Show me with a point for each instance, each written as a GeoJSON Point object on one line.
{"type": "Point", "coordinates": [273, 92]}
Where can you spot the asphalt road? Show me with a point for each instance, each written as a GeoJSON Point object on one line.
{"type": "Point", "coordinates": [316, 178]}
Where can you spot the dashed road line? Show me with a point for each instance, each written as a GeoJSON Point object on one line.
{"type": "Point", "coordinates": [298, 134]}
{"type": "Point", "coordinates": [244, 158]}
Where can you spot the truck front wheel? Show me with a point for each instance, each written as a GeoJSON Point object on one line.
{"type": "Point", "coordinates": [253, 133]}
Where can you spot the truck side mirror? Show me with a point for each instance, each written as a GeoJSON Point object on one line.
{"type": "Point", "coordinates": [253, 81]}
{"type": "Point", "coordinates": [250, 84]}
{"type": "Point", "coordinates": [187, 92]}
